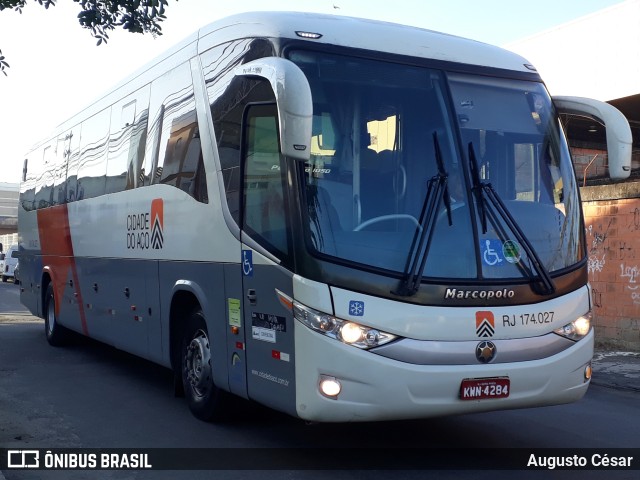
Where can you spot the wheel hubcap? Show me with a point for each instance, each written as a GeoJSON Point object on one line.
{"type": "Point", "coordinates": [198, 364]}
{"type": "Point", "coordinates": [51, 316]}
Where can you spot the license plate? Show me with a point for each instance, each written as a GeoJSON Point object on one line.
{"type": "Point", "coordinates": [481, 388]}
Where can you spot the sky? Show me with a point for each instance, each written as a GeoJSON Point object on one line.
{"type": "Point", "coordinates": [57, 69]}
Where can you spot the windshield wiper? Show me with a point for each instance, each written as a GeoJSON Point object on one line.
{"type": "Point", "coordinates": [485, 191]}
{"type": "Point", "coordinates": [437, 193]}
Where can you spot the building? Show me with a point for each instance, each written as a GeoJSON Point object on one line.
{"type": "Point", "coordinates": [9, 193]}
{"type": "Point", "coordinates": [598, 56]}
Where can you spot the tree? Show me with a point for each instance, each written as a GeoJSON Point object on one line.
{"type": "Point", "coordinates": [100, 16]}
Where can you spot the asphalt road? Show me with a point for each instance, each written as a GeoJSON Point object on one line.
{"type": "Point", "coordinates": [88, 395]}
{"type": "Point", "coordinates": [10, 299]}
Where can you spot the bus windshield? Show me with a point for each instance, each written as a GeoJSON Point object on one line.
{"type": "Point", "coordinates": [385, 134]}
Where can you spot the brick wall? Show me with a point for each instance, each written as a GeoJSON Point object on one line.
{"type": "Point", "coordinates": [590, 164]}
{"type": "Point", "coordinates": [613, 246]}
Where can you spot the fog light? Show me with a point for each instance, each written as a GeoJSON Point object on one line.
{"type": "Point", "coordinates": [587, 372]}
{"type": "Point", "coordinates": [330, 387]}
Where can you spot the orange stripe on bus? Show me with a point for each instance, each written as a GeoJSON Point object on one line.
{"type": "Point", "coordinates": [57, 254]}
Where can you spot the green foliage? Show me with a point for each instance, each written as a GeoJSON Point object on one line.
{"type": "Point", "coordinates": [18, 5]}
{"type": "Point", "coordinates": [3, 64]}
{"type": "Point", "coordinates": [137, 16]}
{"type": "Point", "coordinates": [101, 16]}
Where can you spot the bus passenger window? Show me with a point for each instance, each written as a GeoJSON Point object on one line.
{"type": "Point", "coordinates": [173, 155]}
{"type": "Point", "coordinates": [183, 163]}
{"type": "Point", "coordinates": [228, 96]}
{"type": "Point", "coordinates": [127, 141]}
{"type": "Point", "coordinates": [92, 164]}
{"type": "Point", "coordinates": [44, 182]}
{"type": "Point", "coordinates": [28, 184]}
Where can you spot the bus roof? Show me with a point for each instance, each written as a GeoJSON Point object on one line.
{"type": "Point", "coordinates": [364, 34]}
{"type": "Point", "coordinates": [334, 30]}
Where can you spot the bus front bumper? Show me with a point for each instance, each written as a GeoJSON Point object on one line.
{"type": "Point", "coordinates": [374, 388]}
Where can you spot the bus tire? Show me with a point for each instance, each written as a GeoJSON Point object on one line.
{"type": "Point", "coordinates": [57, 335]}
{"type": "Point", "coordinates": [205, 400]}
{"type": "Point", "coordinates": [4, 278]}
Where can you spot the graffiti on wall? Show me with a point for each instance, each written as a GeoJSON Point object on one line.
{"type": "Point", "coordinates": [613, 254]}
{"type": "Point", "coordinates": [596, 264]}
{"type": "Point", "coordinates": [597, 252]}
{"type": "Point", "coordinates": [600, 248]}
{"type": "Point", "coordinates": [596, 296]}
{"type": "Point", "coordinates": [632, 274]}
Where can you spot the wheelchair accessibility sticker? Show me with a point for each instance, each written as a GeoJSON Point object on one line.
{"type": "Point", "coordinates": [496, 253]}
{"type": "Point", "coordinates": [247, 263]}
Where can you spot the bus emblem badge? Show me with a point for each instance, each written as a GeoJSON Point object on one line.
{"type": "Point", "coordinates": [485, 324]}
{"type": "Point", "coordinates": [157, 223]}
{"type": "Point", "coordinates": [485, 352]}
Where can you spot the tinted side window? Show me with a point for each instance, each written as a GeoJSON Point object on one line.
{"type": "Point", "coordinates": [127, 141]}
{"type": "Point", "coordinates": [92, 162]}
{"type": "Point", "coordinates": [228, 96]}
{"type": "Point", "coordinates": [173, 155]}
{"type": "Point", "coordinates": [72, 155]}
{"type": "Point", "coordinates": [28, 184]}
{"type": "Point", "coordinates": [45, 175]}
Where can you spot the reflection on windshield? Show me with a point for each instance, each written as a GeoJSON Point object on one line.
{"type": "Point", "coordinates": [373, 156]}
{"type": "Point", "coordinates": [523, 156]}
{"type": "Point", "coordinates": [372, 159]}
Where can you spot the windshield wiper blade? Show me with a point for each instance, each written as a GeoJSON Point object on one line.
{"type": "Point", "coordinates": [486, 191]}
{"type": "Point", "coordinates": [442, 173]}
{"type": "Point", "coordinates": [437, 193]}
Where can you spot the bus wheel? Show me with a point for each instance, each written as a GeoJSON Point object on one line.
{"type": "Point", "coordinates": [204, 398]}
{"type": "Point", "coordinates": [56, 334]}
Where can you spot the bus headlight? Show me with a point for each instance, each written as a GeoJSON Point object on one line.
{"type": "Point", "coordinates": [350, 333]}
{"type": "Point", "coordinates": [576, 329]}
{"type": "Point", "coordinates": [347, 332]}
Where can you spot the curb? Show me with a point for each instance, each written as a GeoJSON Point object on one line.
{"type": "Point", "coordinates": [18, 318]}
{"type": "Point", "coordinates": [615, 369]}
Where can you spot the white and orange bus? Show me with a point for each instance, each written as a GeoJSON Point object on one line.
{"type": "Point", "coordinates": [342, 219]}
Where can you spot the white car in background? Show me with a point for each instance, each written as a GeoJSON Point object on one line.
{"type": "Point", "coordinates": [9, 264]}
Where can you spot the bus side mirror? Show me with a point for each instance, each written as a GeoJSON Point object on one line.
{"type": "Point", "coordinates": [293, 96]}
{"type": "Point", "coordinates": [619, 138]}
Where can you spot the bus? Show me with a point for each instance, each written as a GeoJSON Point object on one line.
{"type": "Point", "coordinates": [341, 219]}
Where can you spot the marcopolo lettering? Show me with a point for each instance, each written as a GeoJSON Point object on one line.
{"type": "Point", "coordinates": [464, 294]}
